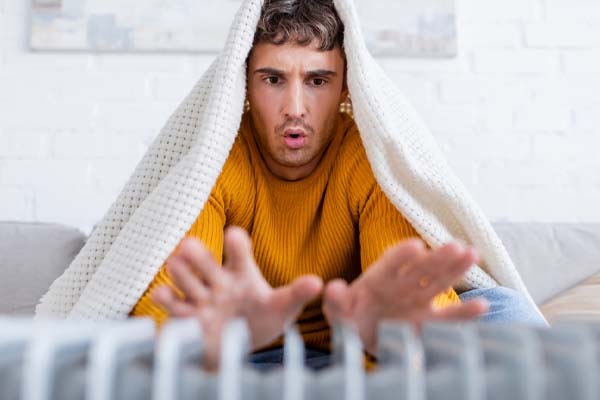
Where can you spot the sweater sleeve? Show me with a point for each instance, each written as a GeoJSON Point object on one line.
{"type": "Point", "coordinates": [229, 203]}
{"type": "Point", "coordinates": [381, 225]}
{"type": "Point", "coordinates": [208, 228]}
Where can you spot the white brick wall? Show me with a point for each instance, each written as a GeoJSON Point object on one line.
{"type": "Point", "coordinates": [516, 113]}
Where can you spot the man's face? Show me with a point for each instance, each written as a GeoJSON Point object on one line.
{"type": "Point", "coordinates": [295, 93]}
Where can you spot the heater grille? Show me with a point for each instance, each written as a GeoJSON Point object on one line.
{"type": "Point", "coordinates": [70, 360]}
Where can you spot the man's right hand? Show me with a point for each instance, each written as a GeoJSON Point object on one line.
{"type": "Point", "coordinates": [238, 290]}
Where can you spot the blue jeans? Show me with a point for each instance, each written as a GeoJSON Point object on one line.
{"type": "Point", "coordinates": [506, 306]}
{"type": "Point", "coordinates": [314, 359]}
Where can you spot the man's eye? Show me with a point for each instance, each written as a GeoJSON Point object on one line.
{"type": "Point", "coordinates": [273, 80]}
{"type": "Point", "coordinates": [318, 82]}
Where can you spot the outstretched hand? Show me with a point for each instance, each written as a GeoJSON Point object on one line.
{"type": "Point", "coordinates": [238, 290]}
{"type": "Point", "coordinates": [402, 284]}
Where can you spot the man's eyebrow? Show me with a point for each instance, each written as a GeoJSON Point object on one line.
{"type": "Point", "coordinates": [268, 70]}
{"type": "Point", "coordinates": [315, 72]}
{"type": "Point", "coordinates": [321, 72]}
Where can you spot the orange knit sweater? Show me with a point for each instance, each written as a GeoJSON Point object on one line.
{"type": "Point", "coordinates": [334, 223]}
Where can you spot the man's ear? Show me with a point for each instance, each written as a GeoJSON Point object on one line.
{"type": "Point", "coordinates": [345, 92]}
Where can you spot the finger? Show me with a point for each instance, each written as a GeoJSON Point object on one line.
{"type": "Point", "coordinates": [393, 260]}
{"type": "Point", "coordinates": [292, 298]}
{"type": "Point", "coordinates": [446, 275]}
{"type": "Point", "coordinates": [337, 301]}
{"type": "Point", "coordinates": [186, 281]}
{"type": "Point", "coordinates": [202, 262]}
{"type": "Point", "coordinates": [465, 311]}
{"type": "Point", "coordinates": [165, 297]}
{"type": "Point", "coordinates": [238, 249]}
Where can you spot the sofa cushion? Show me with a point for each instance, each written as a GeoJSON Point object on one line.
{"type": "Point", "coordinates": [581, 301]}
{"type": "Point", "coordinates": [552, 257]}
{"type": "Point", "coordinates": [32, 256]}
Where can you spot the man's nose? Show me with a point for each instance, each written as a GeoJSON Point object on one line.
{"type": "Point", "coordinates": [295, 106]}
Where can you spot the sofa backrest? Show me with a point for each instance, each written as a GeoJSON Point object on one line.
{"type": "Point", "coordinates": [32, 256]}
{"type": "Point", "coordinates": [552, 257]}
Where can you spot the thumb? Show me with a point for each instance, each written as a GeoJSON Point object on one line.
{"type": "Point", "coordinates": [291, 299]}
{"type": "Point", "coordinates": [337, 301]}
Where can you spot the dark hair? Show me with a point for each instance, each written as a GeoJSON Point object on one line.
{"type": "Point", "coordinates": [301, 22]}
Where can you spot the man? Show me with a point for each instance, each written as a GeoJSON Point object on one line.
{"type": "Point", "coordinates": [297, 213]}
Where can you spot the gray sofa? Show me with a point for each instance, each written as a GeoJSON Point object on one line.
{"type": "Point", "coordinates": [559, 262]}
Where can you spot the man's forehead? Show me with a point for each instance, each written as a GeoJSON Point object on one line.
{"type": "Point", "coordinates": [291, 57]}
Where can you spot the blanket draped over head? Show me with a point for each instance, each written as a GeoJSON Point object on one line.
{"type": "Point", "coordinates": [172, 182]}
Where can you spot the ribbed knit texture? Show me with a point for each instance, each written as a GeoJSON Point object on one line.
{"type": "Point", "coordinates": [334, 223]}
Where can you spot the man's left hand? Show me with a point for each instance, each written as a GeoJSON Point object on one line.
{"type": "Point", "coordinates": [402, 285]}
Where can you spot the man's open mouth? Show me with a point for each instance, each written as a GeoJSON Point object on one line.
{"type": "Point", "coordinates": [294, 133]}
{"type": "Point", "coordinates": [295, 138]}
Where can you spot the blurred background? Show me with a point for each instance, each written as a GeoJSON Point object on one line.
{"type": "Point", "coordinates": [510, 89]}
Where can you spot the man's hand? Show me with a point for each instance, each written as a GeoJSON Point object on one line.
{"type": "Point", "coordinates": [215, 295]}
{"type": "Point", "coordinates": [402, 285]}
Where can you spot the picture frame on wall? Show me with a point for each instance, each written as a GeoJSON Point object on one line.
{"type": "Point", "coordinates": [400, 28]}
